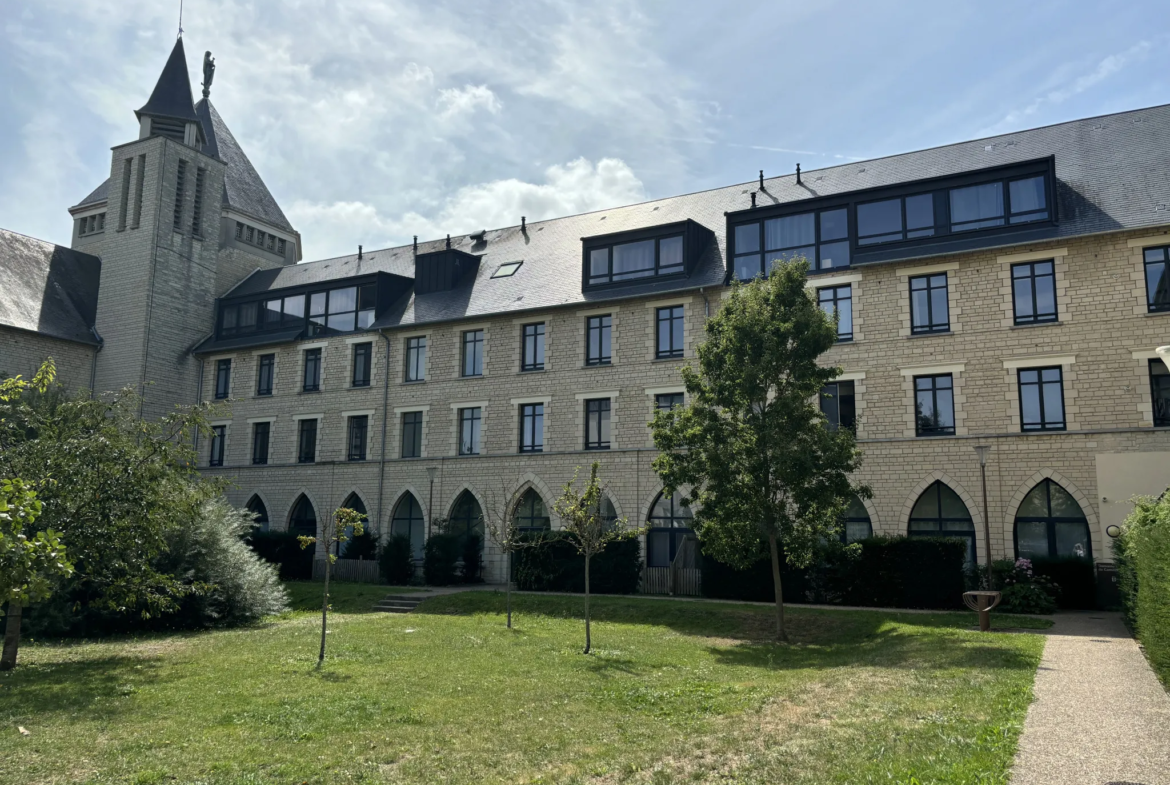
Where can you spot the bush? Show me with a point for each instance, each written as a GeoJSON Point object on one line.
{"type": "Point", "coordinates": [362, 548]}
{"type": "Point", "coordinates": [396, 562]}
{"type": "Point", "coordinates": [1026, 598]}
{"type": "Point", "coordinates": [283, 549]}
{"type": "Point", "coordinates": [472, 558]}
{"type": "Point", "coordinates": [550, 562]}
{"type": "Point", "coordinates": [1074, 577]}
{"type": "Point", "coordinates": [440, 557]}
{"type": "Point", "coordinates": [1143, 561]}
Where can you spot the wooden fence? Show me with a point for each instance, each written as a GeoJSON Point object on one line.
{"type": "Point", "coordinates": [351, 570]}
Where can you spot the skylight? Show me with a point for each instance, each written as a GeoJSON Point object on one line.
{"type": "Point", "coordinates": [507, 269]}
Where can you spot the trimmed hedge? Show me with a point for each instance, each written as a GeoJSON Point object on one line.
{"type": "Point", "coordinates": [896, 572]}
{"type": "Point", "coordinates": [549, 562]}
{"type": "Point", "coordinates": [1143, 564]}
{"type": "Point", "coordinates": [1076, 578]}
{"type": "Point", "coordinates": [283, 549]}
{"type": "Point", "coordinates": [396, 562]}
{"type": "Point", "coordinates": [440, 560]}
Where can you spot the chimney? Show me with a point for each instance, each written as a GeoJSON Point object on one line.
{"type": "Point", "coordinates": [753, 199]}
{"type": "Point", "coordinates": [359, 253]}
{"type": "Point", "coordinates": [798, 174]}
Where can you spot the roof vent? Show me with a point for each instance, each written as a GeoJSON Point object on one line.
{"type": "Point", "coordinates": [797, 174]}
{"type": "Point", "coordinates": [359, 253]}
{"type": "Point", "coordinates": [479, 238]}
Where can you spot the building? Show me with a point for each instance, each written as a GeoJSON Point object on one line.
{"type": "Point", "coordinates": [1008, 292]}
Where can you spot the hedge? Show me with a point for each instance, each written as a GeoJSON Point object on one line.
{"type": "Point", "coordinates": [1142, 553]}
{"type": "Point", "coordinates": [549, 562]}
{"type": "Point", "coordinates": [896, 572]}
{"type": "Point", "coordinates": [283, 549]}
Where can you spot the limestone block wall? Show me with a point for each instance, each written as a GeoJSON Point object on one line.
{"type": "Point", "coordinates": [22, 353]}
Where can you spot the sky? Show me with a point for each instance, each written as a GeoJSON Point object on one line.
{"type": "Point", "coordinates": [375, 120]}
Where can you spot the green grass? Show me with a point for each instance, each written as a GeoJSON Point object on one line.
{"type": "Point", "coordinates": [675, 692]}
{"type": "Point", "coordinates": [343, 597]}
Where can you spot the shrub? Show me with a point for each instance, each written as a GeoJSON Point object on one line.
{"type": "Point", "coordinates": [440, 557]}
{"type": "Point", "coordinates": [283, 549]}
{"type": "Point", "coordinates": [1143, 557]}
{"type": "Point", "coordinates": [472, 558]}
{"type": "Point", "coordinates": [1075, 578]}
{"type": "Point", "coordinates": [548, 561]}
{"type": "Point", "coordinates": [1024, 590]}
{"type": "Point", "coordinates": [396, 562]}
{"type": "Point", "coordinates": [363, 548]}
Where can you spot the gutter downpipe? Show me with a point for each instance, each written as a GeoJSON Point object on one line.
{"type": "Point", "coordinates": [385, 418]}
{"type": "Point", "coordinates": [101, 343]}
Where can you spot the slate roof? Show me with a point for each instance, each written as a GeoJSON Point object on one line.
{"type": "Point", "coordinates": [96, 196]}
{"type": "Point", "coordinates": [47, 288]}
{"type": "Point", "coordinates": [172, 92]}
{"type": "Point", "coordinates": [1113, 173]}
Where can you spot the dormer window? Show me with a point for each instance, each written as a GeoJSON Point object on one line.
{"type": "Point", "coordinates": [341, 310]}
{"type": "Point", "coordinates": [655, 252]}
{"type": "Point", "coordinates": [821, 237]}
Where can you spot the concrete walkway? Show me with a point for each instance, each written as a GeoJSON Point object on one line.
{"type": "Point", "coordinates": [1099, 716]}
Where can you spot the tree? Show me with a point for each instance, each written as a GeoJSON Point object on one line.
{"type": "Point", "coordinates": [29, 566]}
{"type": "Point", "coordinates": [502, 529]}
{"type": "Point", "coordinates": [333, 532]}
{"type": "Point", "coordinates": [586, 527]}
{"type": "Point", "coordinates": [752, 445]}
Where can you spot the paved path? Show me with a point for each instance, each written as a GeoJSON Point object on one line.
{"type": "Point", "coordinates": [1099, 714]}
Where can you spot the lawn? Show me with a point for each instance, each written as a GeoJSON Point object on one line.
{"type": "Point", "coordinates": [675, 692]}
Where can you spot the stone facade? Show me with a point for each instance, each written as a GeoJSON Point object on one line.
{"type": "Point", "coordinates": [22, 353]}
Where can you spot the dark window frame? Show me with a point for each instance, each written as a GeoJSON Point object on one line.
{"type": "Point", "coordinates": [411, 422]}
{"type": "Point", "coordinates": [357, 438]}
{"type": "Point", "coordinates": [223, 379]}
{"type": "Point", "coordinates": [1160, 382]}
{"type": "Point", "coordinates": [471, 352]}
{"type": "Point", "coordinates": [657, 272]}
{"type": "Point", "coordinates": [217, 445]}
{"type": "Point", "coordinates": [415, 359]}
{"type": "Point", "coordinates": [670, 526]}
{"type": "Point", "coordinates": [364, 310]}
{"type": "Point", "coordinates": [531, 417]}
{"type": "Point", "coordinates": [931, 327]}
{"type": "Point", "coordinates": [941, 520]}
{"type": "Point", "coordinates": [835, 300]}
{"type": "Point", "coordinates": [312, 360]}
{"type": "Point", "coordinates": [598, 420]}
{"type": "Point", "coordinates": [1050, 522]}
{"type": "Point", "coordinates": [675, 316]}
{"type": "Point", "coordinates": [261, 442]}
{"type": "Point", "coordinates": [1156, 293]}
{"type": "Point", "coordinates": [362, 371]}
{"type": "Point", "coordinates": [1032, 278]}
{"type": "Point", "coordinates": [762, 253]}
{"type": "Point", "coordinates": [265, 374]}
{"type": "Point", "coordinates": [834, 391]}
{"type": "Point", "coordinates": [470, 418]}
{"type": "Point", "coordinates": [671, 403]}
{"type": "Point", "coordinates": [1044, 424]}
{"type": "Point", "coordinates": [307, 440]}
{"type": "Point", "coordinates": [599, 326]}
{"type": "Point", "coordinates": [937, 430]}
{"type": "Point", "coordinates": [532, 346]}
{"type": "Point", "coordinates": [525, 516]}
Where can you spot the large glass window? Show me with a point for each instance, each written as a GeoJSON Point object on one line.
{"type": "Point", "coordinates": [1050, 524]}
{"type": "Point", "coordinates": [1160, 393]}
{"type": "Point", "coordinates": [857, 525]}
{"type": "Point", "coordinates": [473, 353]}
{"type": "Point", "coordinates": [939, 512]}
{"type": "Point", "coordinates": [1041, 399]}
{"type": "Point", "coordinates": [407, 521]}
{"type": "Point", "coordinates": [223, 378]}
{"type": "Point", "coordinates": [976, 207]}
{"type": "Point", "coordinates": [597, 428]}
{"type": "Point", "coordinates": [256, 506]}
{"type": "Point", "coordinates": [891, 220]}
{"type": "Point", "coordinates": [934, 404]}
{"type": "Point", "coordinates": [218, 437]}
{"type": "Point", "coordinates": [362, 355]}
{"type": "Point", "coordinates": [412, 425]}
{"type": "Point", "coordinates": [670, 523]}
{"type": "Point", "coordinates": [359, 426]}
{"type": "Point", "coordinates": [312, 377]}
{"type": "Point", "coordinates": [1027, 200]}
{"type": "Point", "coordinates": [261, 432]}
{"type": "Point", "coordinates": [929, 309]}
{"type": "Point", "coordinates": [307, 441]}
{"type": "Point", "coordinates": [532, 347]}
{"type": "Point", "coordinates": [265, 369]}
{"type": "Point", "coordinates": [1157, 279]}
{"type": "Point", "coordinates": [597, 339]}
{"type": "Point", "coordinates": [820, 237]}
{"type": "Point", "coordinates": [470, 425]}
{"type": "Point", "coordinates": [303, 521]}
{"type": "Point", "coordinates": [1034, 292]}
{"type": "Point", "coordinates": [341, 310]}
{"type": "Point", "coordinates": [837, 302]}
{"type": "Point", "coordinates": [667, 401]}
{"type": "Point", "coordinates": [532, 427]}
{"type": "Point", "coordinates": [416, 359]}
{"type": "Point", "coordinates": [466, 519]}
{"type": "Point", "coordinates": [669, 335]}
{"type": "Point", "coordinates": [839, 405]}
{"type": "Point", "coordinates": [531, 514]}
{"type": "Point", "coordinates": [640, 259]}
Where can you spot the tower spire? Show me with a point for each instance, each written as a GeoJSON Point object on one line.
{"type": "Point", "coordinates": [180, 19]}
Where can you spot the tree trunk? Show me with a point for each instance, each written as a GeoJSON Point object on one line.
{"type": "Point", "coordinates": [324, 611]}
{"type": "Point", "coordinates": [11, 636]}
{"type": "Point", "coordinates": [588, 642]}
{"type": "Point", "coordinates": [508, 590]}
{"type": "Point", "coordinates": [781, 634]}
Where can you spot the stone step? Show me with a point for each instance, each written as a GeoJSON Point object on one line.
{"type": "Point", "coordinates": [397, 604]}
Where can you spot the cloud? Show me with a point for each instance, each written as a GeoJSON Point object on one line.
{"type": "Point", "coordinates": [575, 187]}
{"type": "Point", "coordinates": [465, 100]}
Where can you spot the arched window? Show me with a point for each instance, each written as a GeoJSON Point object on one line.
{"type": "Point", "coordinates": [608, 512]}
{"type": "Point", "coordinates": [256, 507]}
{"type": "Point", "coordinates": [670, 523]}
{"type": "Point", "coordinates": [1050, 524]}
{"type": "Point", "coordinates": [407, 521]}
{"type": "Point", "coordinates": [939, 512]}
{"type": "Point", "coordinates": [857, 524]}
{"type": "Point", "coordinates": [303, 520]}
{"type": "Point", "coordinates": [531, 514]}
{"type": "Point", "coordinates": [466, 518]}
{"type": "Point", "coordinates": [353, 547]}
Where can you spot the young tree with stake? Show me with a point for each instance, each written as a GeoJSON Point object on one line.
{"type": "Point", "coordinates": [334, 531]}
{"type": "Point", "coordinates": [502, 528]}
{"type": "Point", "coordinates": [752, 444]}
{"type": "Point", "coordinates": [587, 528]}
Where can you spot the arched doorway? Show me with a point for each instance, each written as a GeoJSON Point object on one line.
{"type": "Point", "coordinates": [256, 506]}
{"type": "Point", "coordinates": [939, 512]}
{"type": "Point", "coordinates": [303, 520]}
{"type": "Point", "coordinates": [1050, 524]}
{"type": "Point", "coordinates": [670, 523]}
{"type": "Point", "coordinates": [857, 525]}
{"type": "Point", "coordinates": [531, 514]}
{"type": "Point", "coordinates": [466, 519]}
{"type": "Point", "coordinates": [407, 521]}
{"type": "Point", "coordinates": [364, 547]}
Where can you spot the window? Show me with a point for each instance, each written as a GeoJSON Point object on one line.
{"type": "Point", "coordinates": [891, 220]}
{"type": "Point", "coordinates": [667, 401]}
{"type": "Point", "coordinates": [407, 521]}
{"type": "Point", "coordinates": [362, 354]}
{"type": "Point", "coordinates": [472, 353]}
{"type": "Point", "coordinates": [470, 424]}
{"type": "Point", "coordinates": [466, 520]}
{"type": "Point", "coordinates": [261, 432]}
{"type": "Point", "coordinates": [265, 370]}
{"type": "Point", "coordinates": [342, 310]}
{"type": "Point", "coordinates": [1157, 279]}
{"type": "Point", "coordinates": [929, 310]}
{"type": "Point", "coordinates": [312, 380]}
{"type": "Point", "coordinates": [507, 269]}
{"type": "Point", "coordinates": [982, 206]}
{"type": "Point", "coordinates": [197, 216]}
{"type": "Point", "coordinates": [1041, 399]}
{"type": "Point", "coordinates": [280, 246]}
{"type": "Point", "coordinates": [857, 525]}
{"type": "Point", "coordinates": [223, 379]}
{"type": "Point", "coordinates": [532, 347]}
{"type": "Point", "coordinates": [1051, 525]}
{"type": "Point", "coordinates": [307, 441]}
{"type": "Point", "coordinates": [180, 187]}
{"type": "Point", "coordinates": [531, 514]}
{"type": "Point", "coordinates": [597, 429]}
{"type": "Point", "coordinates": [126, 166]}
{"type": "Point", "coordinates": [218, 435]}
{"type": "Point", "coordinates": [303, 521]}
{"type": "Point", "coordinates": [412, 425]}
{"type": "Point", "coordinates": [639, 259]}
{"type": "Point", "coordinates": [669, 336]}
{"type": "Point", "coordinates": [839, 406]}
{"type": "Point", "coordinates": [1034, 292]}
{"type": "Point", "coordinates": [532, 427]}
{"type": "Point", "coordinates": [670, 524]}
{"type": "Point", "coordinates": [597, 340]}
{"type": "Point", "coordinates": [1160, 393]}
{"type": "Point", "coordinates": [837, 302]}
{"type": "Point", "coordinates": [416, 359]}
{"type": "Point", "coordinates": [256, 507]}
{"type": "Point", "coordinates": [821, 237]}
{"type": "Point", "coordinates": [239, 231]}
{"type": "Point", "coordinates": [358, 428]}
{"type": "Point", "coordinates": [934, 405]}
{"type": "Point", "coordinates": [251, 234]}
{"type": "Point", "coordinates": [939, 512]}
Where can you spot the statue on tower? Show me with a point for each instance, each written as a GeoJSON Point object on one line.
{"type": "Point", "coordinates": [208, 73]}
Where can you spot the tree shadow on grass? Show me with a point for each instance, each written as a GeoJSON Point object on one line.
{"type": "Point", "coordinates": [101, 687]}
